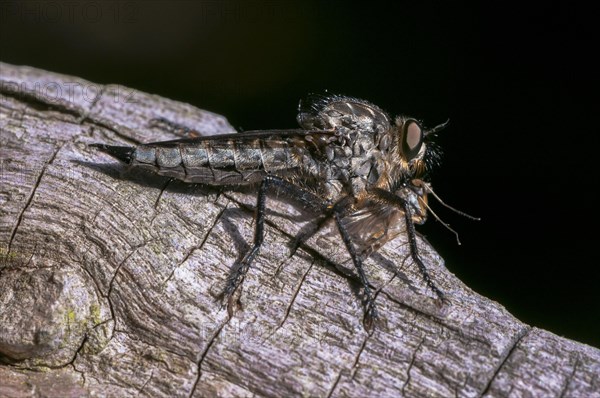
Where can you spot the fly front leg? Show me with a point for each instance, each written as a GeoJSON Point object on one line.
{"type": "Point", "coordinates": [397, 201]}
{"type": "Point", "coordinates": [287, 188]}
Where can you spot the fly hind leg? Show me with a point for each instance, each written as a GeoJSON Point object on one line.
{"type": "Point", "coordinates": [369, 299]}
{"type": "Point", "coordinates": [239, 271]}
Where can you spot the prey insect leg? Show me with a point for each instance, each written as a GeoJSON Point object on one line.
{"type": "Point", "coordinates": [412, 235]}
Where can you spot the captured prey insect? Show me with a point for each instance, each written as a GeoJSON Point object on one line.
{"type": "Point", "coordinates": [349, 162]}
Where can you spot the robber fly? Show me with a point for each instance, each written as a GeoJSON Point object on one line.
{"type": "Point", "coordinates": [349, 161]}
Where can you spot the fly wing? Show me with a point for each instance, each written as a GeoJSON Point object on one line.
{"type": "Point", "coordinates": [247, 135]}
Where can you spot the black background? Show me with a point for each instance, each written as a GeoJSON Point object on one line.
{"type": "Point", "coordinates": [520, 86]}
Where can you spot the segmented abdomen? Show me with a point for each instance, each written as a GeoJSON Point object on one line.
{"type": "Point", "coordinates": [221, 162]}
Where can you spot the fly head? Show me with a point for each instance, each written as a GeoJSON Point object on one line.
{"type": "Point", "coordinates": [417, 152]}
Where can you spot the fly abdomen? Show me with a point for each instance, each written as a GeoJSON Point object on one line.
{"type": "Point", "coordinates": [161, 159]}
{"type": "Point", "coordinates": [207, 162]}
{"type": "Point", "coordinates": [211, 161]}
{"type": "Point", "coordinates": [221, 163]}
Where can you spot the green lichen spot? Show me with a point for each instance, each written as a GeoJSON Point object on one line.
{"type": "Point", "coordinates": [70, 316]}
{"type": "Point", "coordinates": [156, 248]}
{"type": "Point", "coordinates": [8, 256]}
{"type": "Point", "coordinates": [95, 314]}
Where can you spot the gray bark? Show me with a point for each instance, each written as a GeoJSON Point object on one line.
{"type": "Point", "coordinates": [110, 280]}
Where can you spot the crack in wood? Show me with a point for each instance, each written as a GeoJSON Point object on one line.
{"type": "Point", "coordinates": [295, 294]}
{"type": "Point", "coordinates": [162, 190]}
{"type": "Point", "coordinates": [197, 247]}
{"type": "Point", "coordinates": [106, 295]}
{"type": "Point", "coordinates": [72, 362]}
{"type": "Point", "coordinates": [146, 382]}
{"type": "Point", "coordinates": [110, 284]}
{"type": "Point", "coordinates": [292, 301]}
{"type": "Point", "coordinates": [27, 204]}
{"type": "Point", "coordinates": [410, 366]}
{"type": "Point", "coordinates": [84, 115]}
{"type": "Point", "coordinates": [353, 368]}
{"type": "Point", "coordinates": [203, 355]}
{"type": "Point", "coordinates": [524, 332]}
{"type": "Point", "coordinates": [569, 377]}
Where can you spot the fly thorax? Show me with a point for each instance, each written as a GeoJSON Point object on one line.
{"type": "Point", "coordinates": [366, 164]}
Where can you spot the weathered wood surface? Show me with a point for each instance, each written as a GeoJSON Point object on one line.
{"type": "Point", "coordinates": [109, 281]}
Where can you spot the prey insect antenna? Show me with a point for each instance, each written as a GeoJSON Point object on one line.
{"type": "Point", "coordinates": [446, 225]}
{"type": "Point", "coordinates": [462, 213]}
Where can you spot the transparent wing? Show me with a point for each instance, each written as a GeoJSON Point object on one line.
{"type": "Point", "coordinates": [373, 226]}
{"type": "Point", "coordinates": [267, 135]}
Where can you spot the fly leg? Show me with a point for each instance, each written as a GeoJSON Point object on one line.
{"type": "Point", "coordinates": [412, 236]}
{"type": "Point", "coordinates": [414, 252]}
{"type": "Point", "coordinates": [287, 188]}
{"type": "Point", "coordinates": [338, 211]}
{"type": "Point", "coordinates": [308, 199]}
{"type": "Point", "coordinates": [342, 206]}
{"type": "Point", "coordinates": [369, 300]}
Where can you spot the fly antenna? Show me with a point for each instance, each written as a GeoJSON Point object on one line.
{"type": "Point", "coordinates": [437, 128]}
{"type": "Point", "coordinates": [462, 213]}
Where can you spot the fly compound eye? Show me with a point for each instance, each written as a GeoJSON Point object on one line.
{"type": "Point", "coordinates": [412, 139]}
